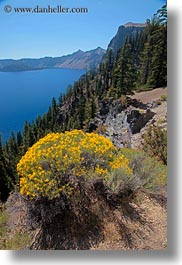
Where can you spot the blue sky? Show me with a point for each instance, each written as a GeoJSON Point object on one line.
{"type": "Point", "coordinates": [38, 35]}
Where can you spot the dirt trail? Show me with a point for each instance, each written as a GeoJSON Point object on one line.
{"type": "Point", "coordinates": [148, 96]}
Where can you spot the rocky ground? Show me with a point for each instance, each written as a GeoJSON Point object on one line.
{"type": "Point", "coordinates": [141, 225]}
{"type": "Point", "coordinates": [125, 125]}
{"type": "Point", "coordinates": [158, 107]}
{"type": "Point", "coordinates": [138, 224]}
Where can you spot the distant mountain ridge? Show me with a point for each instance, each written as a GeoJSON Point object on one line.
{"type": "Point", "coordinates": [77, 60]}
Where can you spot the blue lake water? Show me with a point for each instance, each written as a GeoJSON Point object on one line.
{"type": "Point", "coordinates": [24, 95]}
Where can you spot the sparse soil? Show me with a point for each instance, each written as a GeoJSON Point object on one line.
{"type": "Point", "coordinates": [159, 110]}
{"type": "Point", "coordinates": [138, 224]}
{"type": "Point", "coordinates": [148, 96]}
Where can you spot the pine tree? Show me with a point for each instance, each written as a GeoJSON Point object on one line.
{"type": "Point", "coordinates": [13, 146]}
{"type": "Point", "coordinates": [158, 75]}
{"type": "Point", "coordinates": [145, 64]}
{"type": "Point", "coordinates": [88, 114]}
{"type": "Point", "coordinates": [4, 181]}
{"type": "Point", "coordinates": [19, 138]}
{"type": "Point", "coordinates": [153, 70]}
{"type": "Point", "coordinates": [28, 136]}
{"type": "Point", "coordinates": [81, 110]}
{"type": "Point", "coordinates": [124, 73]}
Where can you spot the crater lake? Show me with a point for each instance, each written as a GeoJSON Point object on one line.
{"type": "Point", "coordinates": [25, 95]}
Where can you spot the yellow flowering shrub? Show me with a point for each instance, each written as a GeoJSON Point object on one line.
{"type": "Point", "coordinates": [46, 168]}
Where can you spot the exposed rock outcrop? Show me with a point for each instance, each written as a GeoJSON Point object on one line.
{"type": "Point", "coordinates": [125, 125]}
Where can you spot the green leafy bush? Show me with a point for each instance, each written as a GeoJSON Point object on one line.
{"type": "Point", "coordinates": [3, 229]}
{"type": "Point", "coordinates": [148, 173]}
{"type": "Point", "coordinates": [155, 143]}
{"type": "Point", "coordinates": [164, 97]}
{"type": "Point", "coordinates": [158, 102]}
{"type": "Point", "coordinates": [123, 100]}
{"type": "Point", "coordinates": [11, 241]}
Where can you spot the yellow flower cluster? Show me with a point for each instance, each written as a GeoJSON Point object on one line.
{"type": "Point", "coordinates": [47, 166]}
{"type": "Point", "coordinates": [121, 161]}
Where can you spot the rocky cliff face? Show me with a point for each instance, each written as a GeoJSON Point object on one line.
{"type": "Point", "coordinates": [125, 125]}
{"type": "Point", "coordinates": [129, 29]}
{"type": "Point", "coordinates": [131, 24]}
